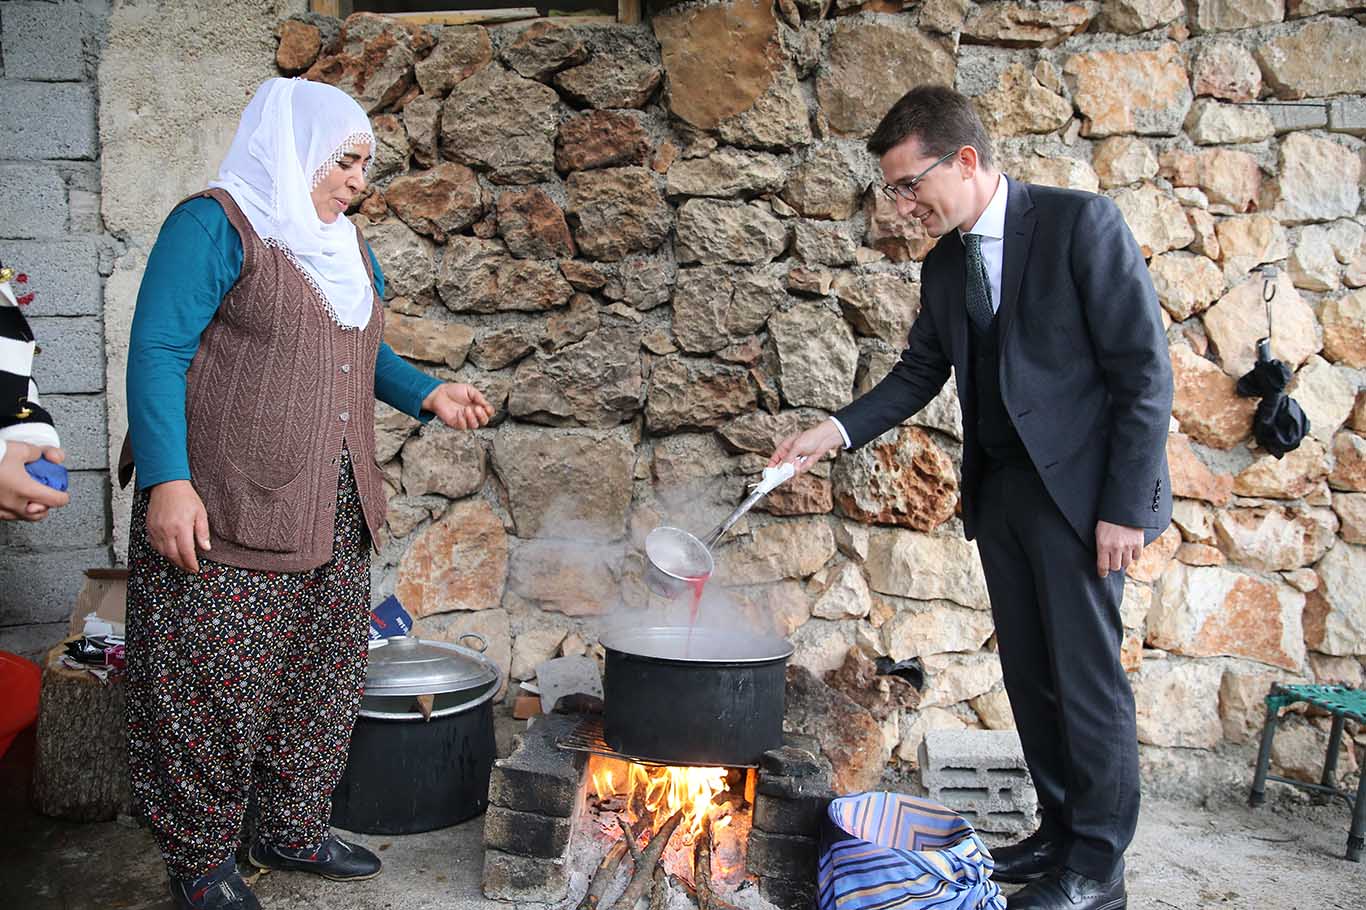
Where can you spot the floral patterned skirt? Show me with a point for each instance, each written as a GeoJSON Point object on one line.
{"type": "Point", "coordinates": [239, 677]}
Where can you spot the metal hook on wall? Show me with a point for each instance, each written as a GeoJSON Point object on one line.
{"type": "Point", "coordinates": [1268, 273]}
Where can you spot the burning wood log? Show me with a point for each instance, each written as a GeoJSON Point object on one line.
{"type": "Point", "coordinates": [649, 858]}
{"type": "Point", "coordinates": [659, 894]}
{"type": "Point", "coordinates": [630, 836]}
{"type": "Point", "coordinates": [602, 877]}
{"type": "Point", "coordinates": [701, 866]}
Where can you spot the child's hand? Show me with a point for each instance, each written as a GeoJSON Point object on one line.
{"type": "Point", "coordinates": [22, 497]}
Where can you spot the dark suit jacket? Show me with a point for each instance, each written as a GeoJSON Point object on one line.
{"type": "Point", "coordinates": [1085, 374]}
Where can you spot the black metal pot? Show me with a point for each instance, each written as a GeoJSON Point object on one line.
{"type": "Point", "coordinates": [679, 696]}
{"type": "Point", "coordinates": [406, 774]}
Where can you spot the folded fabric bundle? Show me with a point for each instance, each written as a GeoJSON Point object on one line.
{"type": "Point", "coordinates": [882, 850]}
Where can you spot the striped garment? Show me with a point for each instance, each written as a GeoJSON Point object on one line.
{"type": "Point", "coordinates": [22, 418]}
{"type": "Point", "coordinates": [882, 850]}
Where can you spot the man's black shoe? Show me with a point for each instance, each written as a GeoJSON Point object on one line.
{"type": "Point", "coordinates": [1068, 890]}
{"type": "Point", "coordinates": [334, 859]}
{"type": "Point", "coordinates": [1029, 860]}
{"type": "Point", "coordinates": [226, 893]}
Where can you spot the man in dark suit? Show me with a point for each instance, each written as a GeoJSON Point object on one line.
{"type": "Point", "coordinates": [1040, 302]}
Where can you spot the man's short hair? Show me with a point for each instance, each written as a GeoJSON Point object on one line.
{"type": "Point", "coordinates": [939, 118]}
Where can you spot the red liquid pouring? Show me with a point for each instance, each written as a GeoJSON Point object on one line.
{"type": "Point", "coordinates": [697, 584]}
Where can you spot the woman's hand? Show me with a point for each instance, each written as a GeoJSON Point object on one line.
{"type": "Point", "coordinates": [176, 522]}
{"type": "Point", "coordinates": [22, 497]}
{"type": "Point", "coordinates": [458, 405]}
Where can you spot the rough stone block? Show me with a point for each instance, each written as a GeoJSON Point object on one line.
{"type": "Point", "coordinates": [41, 587]}
{"type": "Point", "coordinates": [782, 855]}
{"type": "Point", "coordinates": [82, 523]}
{"type": "Point", "coordinates": [58, 120]}
{"type": "Point", "coordinates": [80, 421]}
{"type": "Point", "coordinates": [42, 41]}
{"type": "Point", "coordinates": [1287, 117]}
{"type": "Point", "coordinates": [790, 894]}
{"type": "Point", "coordinates": [64, 275]}
{"type": "Point", "coordinates": [524, 878]}
{"type": "Point", "coordinates": [35, 201]}
{"type": "Point", "coordinates": [72, 354]}
{"type": "Point", "coordinates": [800, 816]}
{"type": "Point", "coordinates": [526, 833]}
{"type": "Point", "coordinates": [1347, 115]}
{"type": "Point", "coordinates": [539, 776]}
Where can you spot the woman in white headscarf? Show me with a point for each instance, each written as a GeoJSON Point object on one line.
{"type": "Point", "coordinates": [255, 358]}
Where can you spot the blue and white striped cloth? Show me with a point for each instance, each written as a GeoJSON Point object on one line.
{"type": "Point", "coordinates": [883, 850]}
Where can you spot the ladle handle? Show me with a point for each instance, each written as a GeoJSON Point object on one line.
{"type": "Point", "coordinates": [723, 527]}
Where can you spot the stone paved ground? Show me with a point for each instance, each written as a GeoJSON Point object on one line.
{"type": "Point", "coordinates": [1216, 856]}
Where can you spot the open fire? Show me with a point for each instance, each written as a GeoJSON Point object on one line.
{"type": "Point", "coordinates": [672, 828]}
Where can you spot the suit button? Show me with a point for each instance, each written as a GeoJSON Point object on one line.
{"type": "Point", "coordinates": [344, 416]}
{"type": "Point", "coordinates": [346, 368]}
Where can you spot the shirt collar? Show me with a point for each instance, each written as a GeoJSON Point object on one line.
{"type": "Point", "coordinates": [992, 222]}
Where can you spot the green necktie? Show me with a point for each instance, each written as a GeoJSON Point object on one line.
{"type": "Point", "coordinates": [978, 285]}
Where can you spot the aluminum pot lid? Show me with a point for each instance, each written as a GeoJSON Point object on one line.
{"type": "Point", "coordinates": [404, 665]}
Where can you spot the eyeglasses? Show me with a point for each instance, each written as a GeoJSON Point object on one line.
{"type": "Point", "coordinates": [907, 190]}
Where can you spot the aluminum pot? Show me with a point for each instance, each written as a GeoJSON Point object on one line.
{"type": "Point", "coordinates": [405, 773]}
{"type": "Point", "coordinates": [677, 695]}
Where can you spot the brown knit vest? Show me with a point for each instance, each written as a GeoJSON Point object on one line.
{"type": "Point", "coordinates": [273, 393]}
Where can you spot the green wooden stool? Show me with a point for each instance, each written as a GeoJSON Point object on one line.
{"type": "Point", "coordinates": [1340, 701]}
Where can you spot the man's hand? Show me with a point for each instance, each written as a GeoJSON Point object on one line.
{"type": "Point", "coordinates": [806, 448]}
{"type": "Point", "coordinates": [458, 405]}
{"type": "Point", "coordinates": [176, 522]}
{"type": "Point", "coordinates": [22, 497]}
{"type": "Point", "coordinates": [1117, 547]}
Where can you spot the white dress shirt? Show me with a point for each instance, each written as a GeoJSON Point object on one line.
{"type": "Point", "coordinates": [991, 224]}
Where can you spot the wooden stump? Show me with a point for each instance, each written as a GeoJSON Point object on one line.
{"type": "Point", "coordinates": [80, 768]}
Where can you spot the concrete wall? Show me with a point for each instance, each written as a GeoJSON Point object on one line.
{"type": "Point", "coordinates": [51, 229]}
{"type": "Point", "coordinates": [112, 114]}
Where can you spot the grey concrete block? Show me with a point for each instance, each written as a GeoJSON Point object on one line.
{"type": "Point", "coordinates": [1347, 115]}
{"type": "Point", "coordinates": [526, 833]}
{"type": "Point", "coordinates": [71, 358]}
{"type": "Point", "coordinates": [790, 816]}
{"type": "Point", "coordinates": [1289, 116]}
{"type": "Point", "coordinates": [81, 422]}
{"type": "Point", "coordinates": [58, 121]}
{"type": "Point", "coordinates": [789, 894]}
{"type": "Point", "coordinates": [524, 878]}
{"type": "Point", "coordinates": [781, 855]}
{"type": "Point", "coordinates": [64, 275]}
{"type": "Point", "coordinates": [32, 640]}
{"type": "Point", "coordinates": [539, 776]}
{"type": "Point", "coordinates": [981, 775]}
{"type": "Point", "coordinates": [43, 41]}
{"type": "Point", "coordinates": [81, 524]}
{"type": "Point", "coordinates": [42, 587]}
{"type": "Point", "coordinates": [35, 201]}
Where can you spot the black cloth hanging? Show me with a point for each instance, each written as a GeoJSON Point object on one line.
{"type": "Point", "coordinates": [1280, 423]}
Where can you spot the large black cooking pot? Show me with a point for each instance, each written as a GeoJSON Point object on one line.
{"type": "Point", "coordinates": [680, 696]}
{"type": "Point", "coordinates": [405, 773]}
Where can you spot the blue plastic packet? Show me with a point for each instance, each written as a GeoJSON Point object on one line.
{"type": "Point", "coordinates": [48, 474]}
{"type": "Point", "coordinates": [389, 619]}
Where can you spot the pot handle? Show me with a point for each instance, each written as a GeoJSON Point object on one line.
{"type": "Point", "coordinates": [483, 642]}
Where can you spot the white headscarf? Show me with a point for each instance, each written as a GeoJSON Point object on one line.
{"type": "Point", "coordinates": [291, 136]}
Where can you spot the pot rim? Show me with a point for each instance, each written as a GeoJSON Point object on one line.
{"type": "Point", "coordinates": [461, 708]}
{"type": "Point", "coordinates": [628, 643]}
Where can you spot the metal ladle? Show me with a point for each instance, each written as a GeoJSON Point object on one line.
{"type": "Point", "coordinates": [676, 560]}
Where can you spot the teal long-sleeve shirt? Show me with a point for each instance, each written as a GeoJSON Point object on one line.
{"type": "Point", "coordinates": [195, 262]}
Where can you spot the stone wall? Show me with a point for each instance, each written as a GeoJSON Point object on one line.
{"type": "Point", "coordinates": [51, 229]}
{"type": "Point", "coordinates": [656, 250]}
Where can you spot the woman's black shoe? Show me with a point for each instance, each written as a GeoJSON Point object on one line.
{"type": "Point", "coordinates": [1029, 860]}
{"type": "Point", "coordinates": [228, 893]}
{"type": "Point", "coordinates": [334, 859]}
